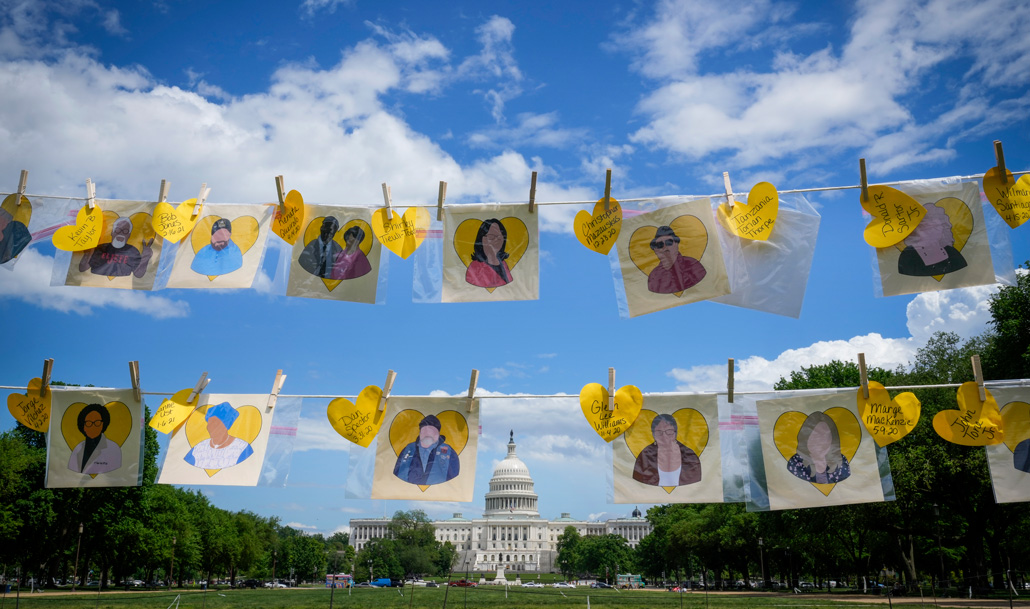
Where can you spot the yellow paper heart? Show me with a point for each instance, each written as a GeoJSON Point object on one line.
{"type": "Point", "coordinates": [691, 232]}
{"type": "Point", "coordinates": [117, 431]}
{"type": "Point", "coordinates": [358, 422]}
{"type": "Point", "coordinates": [895, 216]}
{"type": "Point", "coordinates": [84, 234]}
{"type": "Point", "coordinates": [174, 223]}
{"type": "Point", "coordinates": [311, 233]}
{"type": "Point", "coordinates": [1011, 199]}
{"type": "Point", "coordinates": [610, 424]}
{"type": "Point", "coordinates": [174, 411]}
{"type": "Point", "coordinates": [515, 244]}
{"type": "Point", "coordinates": [247, 426]}
{"type": "Point", "coordinates": [888, 420]}
{"type": "Point", "coordinates": [755, 219]}
{"type": "Point", "coordinates": [1015, 420]}
{"type": "Point", "coordinates": [404, 430]}
{"type": "Point", "coordinates": [691, 431]}
{"type": "Point", "coordinates": [789, 424]}
{"type": "Point", "coordinates": [289, 218]}
{"type": "Point", "coordinates": [974, 423]}
{"type": "Point", "coordinates": [244, 234]}
{"type": "Point", "coordinates": [29, 409]}
{"type": "Point", "coordinates": [599, 230]}
{"type": "Point", "coordinates": [401, 234]}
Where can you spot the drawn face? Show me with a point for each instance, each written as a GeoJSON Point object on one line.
{"type": "Point", "coordinates": [93, 425]}
{"type": "Point", "coordinates": [328, 230]}
{"type": "Point", "coordinates": [932, 234]}
{"type": "Point", "coordinates": [664, 434]}
{"type": "Point", "coordinates": [217, 429]}
{"type": "Point", "coordinates": [120, 234]}
{"type": "Point", "coordinates": [428, 435]}
{"type": "Point", "coordinates": [220, 239]}
{"type": "Point", "coordinates": [493, 241]}
{"type": "Point", "coordinates": [819, 441]}
{"type": "Point", "coordinates": [666, 249]}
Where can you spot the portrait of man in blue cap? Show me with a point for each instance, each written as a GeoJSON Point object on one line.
{"type": "Point", "coordinates": [221, 450]}
{"type": "Point", "coordinates": [429, 459]}
{"type": "Point", "coordinates": [221, 256]}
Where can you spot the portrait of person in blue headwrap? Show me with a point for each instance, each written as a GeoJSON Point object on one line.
{"type": "Point", "coordinates": [221, 256]}
{"type": "Point", "coordinates": [221, 450]}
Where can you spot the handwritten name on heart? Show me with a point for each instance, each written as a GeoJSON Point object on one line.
{"type": "Point", "coordinates": [895, 216]}
{"type": "Point", "coordinates": [289, 217]}
{"type": "Point", "coordinates": [974, 423]}
{"type": "Point", "coordinates": [84, 234]}
{"type": "Point", "coordinates": [755, 219]}
{"type": "Point", "coordinates": [610, 424]}
{"type": "Point", "coordinates": [1010, 198]}
{"type": "Point", "coordinates": [174, 223]}
{"type": "Point", "coordinates": [599, 230]}
{"type": "Point", "coordinates": [174, 411]}
{"type": "Point", "coordinates": [401, 234]}
{"type": "Point", "coordinates": [30, 409]}
{"type": "Point", "coordinates": [358, 422]}
{"type": "Point", "coordinates": [888, 420]}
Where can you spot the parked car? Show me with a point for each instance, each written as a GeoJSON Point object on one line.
{"type": "Point", "coordinates": [432, 585]}
{"type": "Point", "coordinates": [364, 585]}
{"type": "Point", "coordinates": [463, 583]}
{"type": "Point", "coordinates": [563, 585]}
{"type": "Point", "coordinates": [532, 585]}
{"type": "Point", "coordinates": [382, 582]}
{"type": "Point", "coordinates": [600, 585]}
{"type": "Point", "coordinates": [248, 583]}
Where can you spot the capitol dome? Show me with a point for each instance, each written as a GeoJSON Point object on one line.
{"type": "Point", "coordinates": [511, 488]}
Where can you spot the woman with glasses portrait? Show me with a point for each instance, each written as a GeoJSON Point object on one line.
{"type": "Point", "coordinates": [96, 454]}
{"type": "Point", "coordinates": [666, 461]}
{"type": "Point", "coordinates": [675, 272]}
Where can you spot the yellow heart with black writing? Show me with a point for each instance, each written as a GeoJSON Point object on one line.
{"type": "Point", "coordinates": [755, 219]}
{"type": "Point", "coordinates": [244, 234]}
{"type": "Point", "coordinates": [693, 242]}
{"type": "Point", "coordinates": [173, 223]}
{"type": "Point", "coordinates": [142, 231]}
{"type": "Point", "coordinates": [974, 423]}
{"type": "Point", "coordinates": [404, 430]}
{"type": "Point", "coordinates": [885, 419]}
{"type": "Point", "coordinates": [961, 219]}
{"type": "Point", "coordinates": [84, 234]}
{"type": "Point", "coordinates": [599, 230]}
{"type": "Point", "coordinates": [401, 234]}
{"type": "Point", "coordinates": [895, 215]}
{"type": "Point", "coordinates": [1011, 198]}
{"type": "Point", "coordinates": [788, 425]}
{"type": "Point", "coordinates": [247, 427]}
{"type": "Point", "coordinates": [357, 421]}
{"type": "Point", "coordinates": [1015, 419]}
{"type": "Point", "coordinates": [314, 229]}
{"type": "Point", "coordinates": [174, 411]}
{"type": "Point", "coordinates": [289, 217]}
{"type": "Point", "coordinates": [30, 409]}
{"type": "Point", "coordinates": [610, 424]}
{"type": "Point", "coordinates": [691, 431]}
{"type": "Point", "coordinates": [117, 430]}
{"type": "Point", "coordinates": [516, 242]}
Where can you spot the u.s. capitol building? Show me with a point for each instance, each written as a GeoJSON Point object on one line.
{"type": "Point", "coordinates": [510, 535]}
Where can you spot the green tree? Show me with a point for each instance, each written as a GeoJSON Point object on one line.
{"type": "Point", "coordinates": [567, 550]}
{"type": "Point", "coordinates": [605, 554]}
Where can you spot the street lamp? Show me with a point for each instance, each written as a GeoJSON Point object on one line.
{"type": "Point", "coordinates": [940, 551]}
{"type": "Point", "coordinates": [761, 558]}
{"type": "Point", "coordinates": [370, 569]}
{"type": "Point", "coordinates": [171, 565]}
{"type": "Point", "coordinates": [75, 574]}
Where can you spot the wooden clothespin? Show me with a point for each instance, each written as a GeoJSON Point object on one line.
{"type": "Point", "coordinates": [611, 389]}
{"type": "Point", "coordinates": [863, 180]}
{"type": "Point", "coordinates": [532, 193]}
{"type": "Point", "coordinates": [387, 387]}
{"type": "Point", "coordinates": [134, 377]}
{"type": "Point", "coordinates": [439, 200]}
{"type": "Point", "coordinates": [863, 376]}
{"type": "Point", "coordinates": [277, 386]}
{"type": "Point", "coordinates": [729, 189]}
{"type": "Point", "coordinates": [198, 388]}
{"type": "Point", "coordinates": [280, 189]}
{"type": "Point", "coordinates": [91, 194]}
{"type": "Point", "coordinates": [23, 181]}
{"type": "Point", "coordinates": [162, 194]}
{"type": "Point", "coordinates": [204, 192]}
{"type": "Point", "coordinates": [607, 189]}
{"type": "Point", "coordinates": [729, 381]}
{"type": "Point", "coordinates": [978, 374]}
{"type": "Point", "coordinates": [386, 199]}
{"type": "Point", "coordinates": [472, 388]}
{"type": "Point", "coordinates": [44, 385]}
{"type": "Point", "coordinates": [999, 156]}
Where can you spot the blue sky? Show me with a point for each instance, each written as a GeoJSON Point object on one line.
{"type": "Point", "coordinates": [342, 96]}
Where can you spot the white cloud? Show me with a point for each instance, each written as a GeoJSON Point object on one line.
{"type": "Point", "coordinates": [301, 526]}
{"type": "Point", "coordinates": [965, 312]}
{"type": "Point", "coordinates": [319, 436]}
{"type": "Point", "coordinates": [530, 130]}
{"type": "Point", "coordinates": [112, 22]}
{"type": "Point", "coordinates": [495, 61]}
{"type": "Point", "coordinates": [310, 7]}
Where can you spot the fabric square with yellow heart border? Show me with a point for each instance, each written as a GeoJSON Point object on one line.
{"type": "Point", "coordinates": [1010, 461]}
{"type": "Point", "coordinates": [225, 248]}
{"type": "Point", "coordinates": [336, 256]}
{"type": "Point", "coordinates": [490, 253]}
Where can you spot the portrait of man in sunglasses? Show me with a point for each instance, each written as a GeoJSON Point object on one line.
{"type": "Point", "coordinates": [675, 272]}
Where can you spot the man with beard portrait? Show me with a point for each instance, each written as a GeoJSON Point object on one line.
{"type": "Point", "coordinates": [118, 258]}
{"type": "Point", "coordinates": [221, 256]}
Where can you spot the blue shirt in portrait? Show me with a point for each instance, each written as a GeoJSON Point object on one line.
{"type": "Point", "coordinates": [209, 261]}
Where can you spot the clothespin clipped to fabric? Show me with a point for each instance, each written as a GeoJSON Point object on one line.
{"type": "Point", "coordinates": [439, 200]}
{"type": "Point", "coordinates": [472, 388]}
{"type": "Point", "coordinates": [387, 387]}
{"type": "Point", "coordinates": [204, 192]}
{"type": "Point", "coordinates": [729, 189]}
{"type": "Point", "coordinates": [162, 195]}
{"type": "Point", "coordinates": [532, 193]}
{"type": "Point", "coordinates": [607, 189]}
{"type": "Point", "coordinates": [386, 199]}
{"type": "Point", "coordinates": [277, 386]}
{"type": "Point", "coordinates": [134, 377]}
{"type": "Point", "coordinates": [863, 376]}
{"type": "Point", "coordinates": [198, 388]}
{"type": "Point", "coordinates": [863, 180]}
{"type": "Point", "coordinates": [91, 194]}
{"type": "Point", "coordinates": [999, 157]}
{"type": "Point", "coordinates": [44, 385]}
{"type": "Point", "coordinates": [611, 389]}
{"type": "Point", "coordinates": [979, 376]}
{"type": "Point", "coordinates": [23, 181]}
{"type": "Point", "coordinates": [280, 189]}
{"type": "Point", "coordinates": [729, 381]}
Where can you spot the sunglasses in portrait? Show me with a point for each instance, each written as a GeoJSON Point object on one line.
{"type": "Point", "coordinates": [657, 245]}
